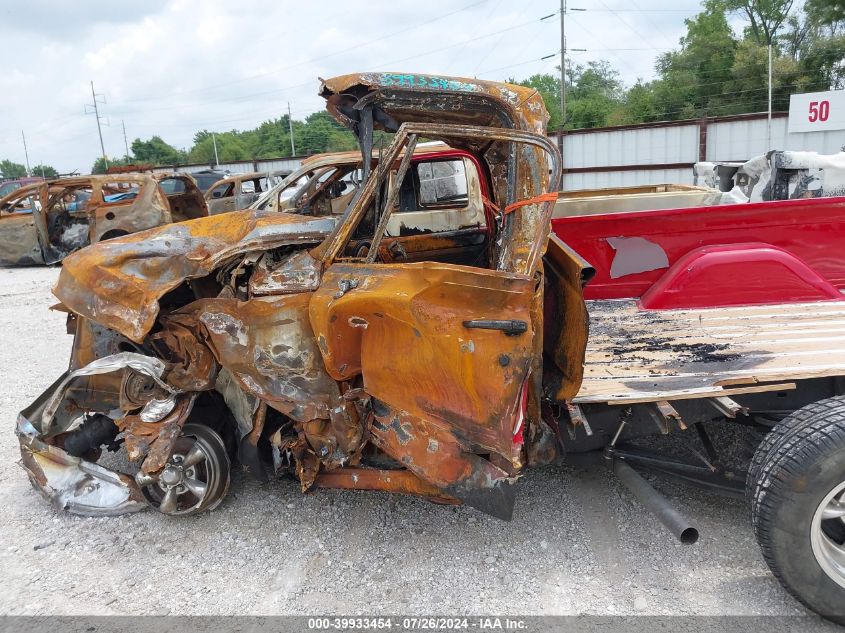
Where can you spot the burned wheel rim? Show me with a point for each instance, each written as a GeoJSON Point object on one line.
{"type": "Point", "coordinates": [828, 534]}
{"type": "Point", "coordinates": [195, 478]}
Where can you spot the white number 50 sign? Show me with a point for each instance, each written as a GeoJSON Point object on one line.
{"type": "Point", "coordinates": [817, 111]}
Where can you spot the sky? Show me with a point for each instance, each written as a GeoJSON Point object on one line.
{"type": "Point", "coordinates": [173, 67]}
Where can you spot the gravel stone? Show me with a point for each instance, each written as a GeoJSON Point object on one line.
{"type": "Point", "coordinates": [578, 543]}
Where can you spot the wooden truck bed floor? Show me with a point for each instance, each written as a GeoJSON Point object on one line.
{"type": "Point", "coordinates": [647, 356]}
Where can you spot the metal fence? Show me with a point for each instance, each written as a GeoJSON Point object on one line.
{"type": "Point", "coordinates": [654, 153]}
{"type": "Point", "coordinates": [289, 163]}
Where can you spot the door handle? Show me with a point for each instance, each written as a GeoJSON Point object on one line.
{"type": "Point", "coordinates": [511, 327]}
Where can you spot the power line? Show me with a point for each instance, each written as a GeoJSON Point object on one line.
{"type": "Point", "coordinates": [496, 43]}
{"type": "Point", "coordinates": [625, 22]}
{"type": "Point", "coordinates": [608, 10]}
{"type": "Point", "coordinates": [342, 51]}
{"type": "Point", "coordinates": [598, 39]}
{"type": "Point", "coordinates": [522, 63]}
{"type": "Point", "coordinates": [395, 61]}
{"type": "Point", "coordinates": [645, 15]}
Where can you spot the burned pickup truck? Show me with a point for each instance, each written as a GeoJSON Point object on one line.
{"type": "Point", "coordinates": [350, 353]}
{"type": "Point", "coordinates": [42, 222]}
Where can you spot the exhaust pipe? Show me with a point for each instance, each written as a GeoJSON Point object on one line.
{"type": "Point", "coordinates": [674, 521]}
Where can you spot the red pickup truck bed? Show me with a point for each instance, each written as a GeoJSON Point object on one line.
{"type": "Point", "coordinates": [711, 256]}
{"type": "Point", "coordinates": [711, 301]}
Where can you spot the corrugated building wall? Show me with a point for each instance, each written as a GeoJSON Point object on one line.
{"type": "Point", "coordinates": [654, 153]}
{"type": "Point", "coordinates": [240, 167]}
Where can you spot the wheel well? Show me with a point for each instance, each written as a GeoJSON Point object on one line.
{"type": "Point", "coordinates": [210, 410]}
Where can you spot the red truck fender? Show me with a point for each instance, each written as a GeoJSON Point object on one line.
{"type": "Point", "coordinates": [750, 273]}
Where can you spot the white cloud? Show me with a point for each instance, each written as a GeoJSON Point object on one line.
{"type": "Point", "coordinates": [173, 68]}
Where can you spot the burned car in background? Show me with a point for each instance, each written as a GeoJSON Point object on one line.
{"type": "Point", "coordinates": [10, 185]}
{"type": "Point", "coordinates": [239, 191]}
{"type": "Point", "coordinates": [43, 222]}
{"type": "Point", "coordinates": [205, 178]}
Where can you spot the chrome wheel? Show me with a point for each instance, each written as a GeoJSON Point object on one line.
{"type": "Point", "coordinates": [195, 479]}
{"type": "Point", "coordinates": [828, 534]}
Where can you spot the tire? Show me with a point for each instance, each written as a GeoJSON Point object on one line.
{"type": "Point", "coordinates": [196, 477]}
{"type": "Point", "coordinates": [799, 471]}
{"type": "Point", "coordinates": [781, 433]}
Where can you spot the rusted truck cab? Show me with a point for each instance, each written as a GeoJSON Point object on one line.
{"type": "Point", "coordinates": [292, 342]}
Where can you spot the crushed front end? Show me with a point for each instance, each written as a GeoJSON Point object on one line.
{"type": "Point", "coordinates": [326, 350]}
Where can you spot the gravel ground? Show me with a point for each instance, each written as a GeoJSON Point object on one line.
{"type": "Point", "coordinates": [578, 543]}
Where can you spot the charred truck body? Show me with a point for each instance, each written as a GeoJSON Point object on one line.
{"type": "Point", "coordinates": [354, 353]}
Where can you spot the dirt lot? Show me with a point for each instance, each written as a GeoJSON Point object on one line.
{"type": "Point", "coordinates": [579, 543]}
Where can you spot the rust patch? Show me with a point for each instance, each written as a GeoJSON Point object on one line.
{"type": "Point", "coordinates": [155, 439]}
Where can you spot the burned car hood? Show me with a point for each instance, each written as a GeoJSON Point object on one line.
{"type": "Point", "coordinates": [118, 283]}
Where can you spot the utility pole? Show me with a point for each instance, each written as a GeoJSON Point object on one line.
{"type": "Point", "coordinates": [562, 66]}
{"type": "Point", "coordinates": [26, 154]}
{"type": "Point", "coordinates": [214, 142]}
{"type": "Point", "coordinates": [290, 127]}
{"type": "Point", "coordinates": [769, 120]}
{"type": "Point", "coordinates": [125, 142]}
{"type": "Point", "coordinates": [96, 113]}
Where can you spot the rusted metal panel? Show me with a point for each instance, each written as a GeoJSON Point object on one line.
{"type": "Point", "coordinates": [512, 106]}
{"type": "Point", "coordinates": [407, 320]}
{"type": "Point", "coordinates": [118, 283]}
{"type": "Point", "coordinates": [566, 318]}
{"type": "Point", "coordinates": [400, 481]}
{"type": "Point", "coordinates": [313, 350]}
{"type": "Point", "coordinates": [19, 244]}
{"type": "Point", "coordinates": [268, 346]}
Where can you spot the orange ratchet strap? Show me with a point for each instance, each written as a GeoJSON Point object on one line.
{"type": "Point", "coordinates": [543, 197]}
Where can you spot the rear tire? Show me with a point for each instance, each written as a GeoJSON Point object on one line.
{"type": "Point", "coordinates": [796, 487]}
{"type": "Point", "coordinates": [783, 432]}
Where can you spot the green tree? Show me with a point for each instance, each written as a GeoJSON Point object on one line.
{"type": "Point", "coordinates": [815, 38]}
{"type": "Point", "coordinates": [549, 88]}
{"type": "Point", "coordinates": [693, 78]}
{"type": "Point", "coordinates": [765, 17]}
{"type": "Point", "coordinates": [593, 92]}
{"type": "Point", "coordinates": [44, 170]}
{"type": "Point", "coordinates": [230, 147]}
{"type": "Point", "coordinates": [321, 133]}
{"type": "Point", "coordinates": [638, 105]}
{"type": "Point", "coordinates": [8, 169]}
{"type": "Point", "coordinates": [156, 152]}
{"type": "Point", "coordinates": [825, 12]}
{"type": "Point", "coordinates": [596, 91]}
